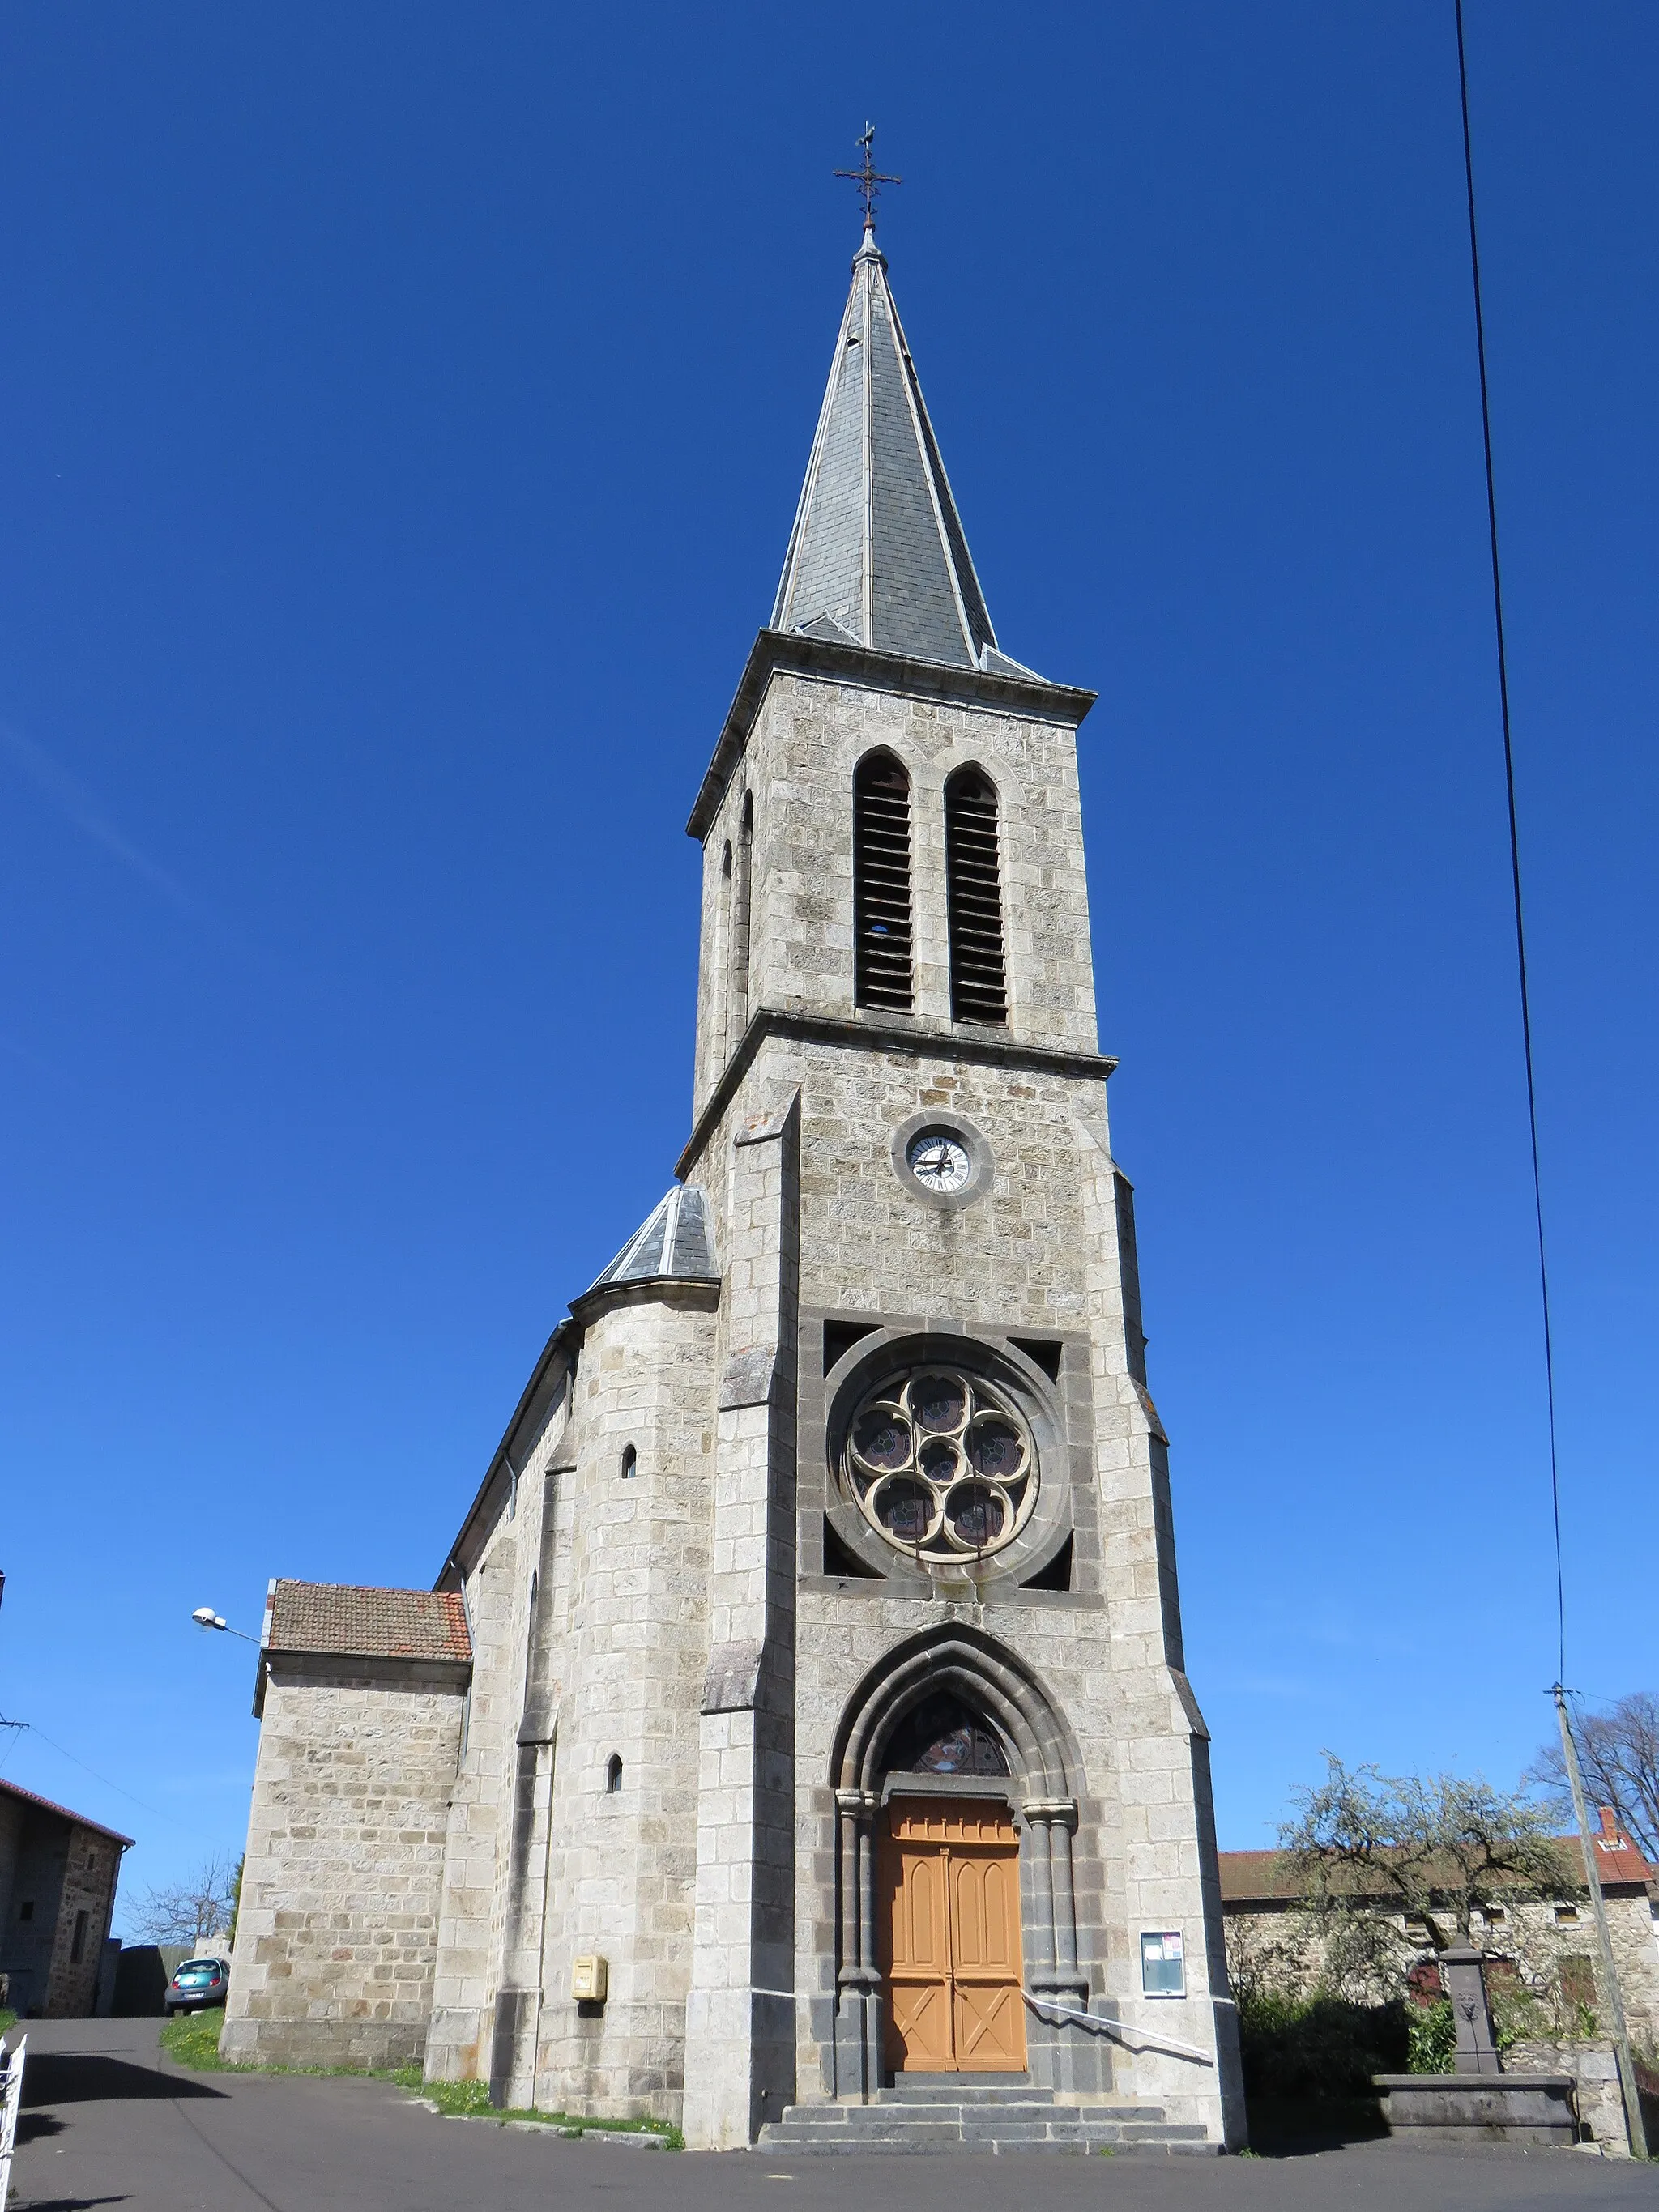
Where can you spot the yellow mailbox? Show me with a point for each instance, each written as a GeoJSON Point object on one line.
{"type": "Point", "coordinates": [588, 1979]}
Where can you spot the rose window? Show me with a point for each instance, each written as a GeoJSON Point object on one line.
{"type": "Point", "coordinates": [942, 1466]}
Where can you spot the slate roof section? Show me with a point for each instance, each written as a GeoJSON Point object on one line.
{"type": "Point", "coordinates": [366, 1624]}
{"type": "Point", "coordinates": [878, 555]}
{"type": "Point", "coordinates": [676, 1240]}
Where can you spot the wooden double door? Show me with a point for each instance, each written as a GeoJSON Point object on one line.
{"type": "Point", "coordinates": [948, 1878]}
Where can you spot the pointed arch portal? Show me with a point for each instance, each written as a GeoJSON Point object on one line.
{"type": "Point", "coordinates": [952, 1717]}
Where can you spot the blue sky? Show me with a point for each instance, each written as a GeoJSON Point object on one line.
{"type": "Point", "coordinates": [405, 409]}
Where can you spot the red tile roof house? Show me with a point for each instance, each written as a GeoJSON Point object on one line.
{"type": "Point", "coordinates": [1548, 1942]}
{"type": "Point", "coordinates": [57, 1876]}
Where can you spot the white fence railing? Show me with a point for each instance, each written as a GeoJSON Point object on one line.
{"type": "Point", "coordinates": [11, 2096]}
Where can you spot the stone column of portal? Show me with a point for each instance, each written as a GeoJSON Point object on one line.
{"type": "Point", "coordinates": [1074, 2055]}
{"type": "Point", "coordinates": [740, 2017]}
{"type": "Point", "coordinates": [857, 1977]}
{"type": "Point", "coordinates": [1039, 1922]}
{"type": "Point", "coordinates": [1062, 1825]}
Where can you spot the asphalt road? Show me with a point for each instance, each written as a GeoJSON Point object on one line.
{"type": "Point", "coordinates": [107, 2121]}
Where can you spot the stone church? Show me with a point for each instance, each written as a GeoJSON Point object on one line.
{"type": "Point", "coordinates": [796, 1744]}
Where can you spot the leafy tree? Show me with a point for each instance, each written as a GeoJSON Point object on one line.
{"type": "Point", "coordinates": [1619, 1752]}
{"type": "Point", "coordinates": [1434, 1847]}
{"type": "Point", "coordinates": [189, 1912]}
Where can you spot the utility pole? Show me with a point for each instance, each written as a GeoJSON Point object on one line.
{"type": "Point", "coordinates": [1634, 2126]}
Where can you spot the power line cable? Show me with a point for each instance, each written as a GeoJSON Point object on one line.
{"type": "Point", "coordinates": [85, 1768]}
{"type": "Point", "coordinates": [1514, 852]}
{"type": "Point", "coordinates": [1628, 2084]}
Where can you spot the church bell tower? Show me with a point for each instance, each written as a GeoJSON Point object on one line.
{"type": "Point", "coordinates": [954, 1813]}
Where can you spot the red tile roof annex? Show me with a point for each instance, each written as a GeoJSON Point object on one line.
{"type": "Point", "coordinates": [365, 1623]}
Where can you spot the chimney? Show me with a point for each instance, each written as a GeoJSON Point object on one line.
{"type": "Point", "coordinates": [1610, 1839]}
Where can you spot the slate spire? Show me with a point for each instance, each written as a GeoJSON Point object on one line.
{"type": "Point", "coordinates": [877, 556]}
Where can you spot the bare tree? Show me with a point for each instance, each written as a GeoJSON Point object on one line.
{"type": "Point", "coordinates": [189, 1912]}
{"type": "Point", "coordinates": [1619, 1752]}
{"type": "Point", "coordinates": [1433, 1847]}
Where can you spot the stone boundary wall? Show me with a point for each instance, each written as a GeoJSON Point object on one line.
{"type": "Point", "coordinates": [1277, 1945]}
{"type": "Point", "coordinates": [1601, 2102]}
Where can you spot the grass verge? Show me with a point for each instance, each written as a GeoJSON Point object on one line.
{"type": "Point", "coordinates": [470, 2100]}
{"type": "Point", "coordinates": [192, 2038]}
{"type": "Point", "coordinates": [8, 2021]}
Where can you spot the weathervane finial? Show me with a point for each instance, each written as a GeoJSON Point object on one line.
{"type": "Point", "coordinates": [869, 179]}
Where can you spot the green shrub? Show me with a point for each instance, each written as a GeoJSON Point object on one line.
{"type": "Point", "coordinates": [1431, 2036]}
{"type": "Point", "coordinates": [1296, 2048]}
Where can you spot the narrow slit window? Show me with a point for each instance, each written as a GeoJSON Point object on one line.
{"type": "Point", "coordinates": [719, 977]}
{"type": "Point", "coordinates": [742, 896]}
{"type": "Point", "coordinates": [613, 1774]}
{"type": "Point", "coordinates": [630, 1462]}
{"type": "Point", "coordinates": [881, 884]}
{"type": "Point", "coordinates": [972, 875]}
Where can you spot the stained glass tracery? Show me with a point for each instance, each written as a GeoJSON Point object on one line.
{"type": "Point", "coordinates": [942, 1465]}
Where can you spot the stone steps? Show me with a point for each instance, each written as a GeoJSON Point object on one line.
{"type": "Point", "coordinates": [1003, 2119]}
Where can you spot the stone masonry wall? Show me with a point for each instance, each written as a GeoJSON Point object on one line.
{"type": "Point", "coordinates": [1042, 1250]}
{"type": "Point", "coordinates": [1544, 1935]}
{"type": "Point", "coordinates": [338, 1932]}
{"type": "Point", "coordinates": [631, 1650]}
{"type": "Point", "coordinates": [1597, 2091]}
{"type": "Point", "coordinates": [30, 1873]}
{"type": "Point", "coordinates": [467, 1970]}
{"type": "Point", "coordinates": [62, 1869]}
{"type": "Point", "coordinates": [798, 769]}
{"type": "Point", "coordinates": [11, 1833]}
{"type": "Point", "coordinates": [1549, 1945]}
{"type": "Point", "coordinates": [91, 1865]}
{"type": "Point", "coordinates": [1049, 1246]}
{"type": "Point", "coordinates": [515, 1551]}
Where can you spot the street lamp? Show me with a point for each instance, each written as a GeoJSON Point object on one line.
{"type": "Point", "coordinates": [205, 1617]}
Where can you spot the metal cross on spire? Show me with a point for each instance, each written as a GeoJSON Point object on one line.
{"type": "Point", "coordinates": [869, 180]}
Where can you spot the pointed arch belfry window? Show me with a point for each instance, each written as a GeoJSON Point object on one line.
{"type": "Point", "coordinates": [719, 978]}
{"type": "Point", "coordinates": [973, 877]}
{"type": "Point", "coordinates": [881, 884]}
{"type": "Point", "coordinates": [741, 898]}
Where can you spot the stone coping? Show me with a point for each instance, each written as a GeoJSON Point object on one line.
{"type": "Point", "coordinates": [1472, 2081]}
{"type": "Point", "coordinates": [1033, 696]}
{"type": "Point", "coordinates": [1480, 2108]}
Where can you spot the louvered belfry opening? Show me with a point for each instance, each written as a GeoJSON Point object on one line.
{"type": "Point", "coordinates": [881, 884]}
{"type": "Point", "coordinates": [979, 979]}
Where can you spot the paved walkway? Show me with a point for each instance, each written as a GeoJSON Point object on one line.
{"type": "Point", "coordinates": [108, 2122]}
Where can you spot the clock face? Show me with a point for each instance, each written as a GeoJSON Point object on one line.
{"type": "Point", "coordinates": [939, 1162]}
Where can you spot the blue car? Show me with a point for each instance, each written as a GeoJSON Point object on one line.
{"type": "Point", "coordinates": [198, 1983]}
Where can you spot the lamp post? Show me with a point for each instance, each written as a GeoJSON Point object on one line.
{"type": "Point", "coordinates": [205, 1617]}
